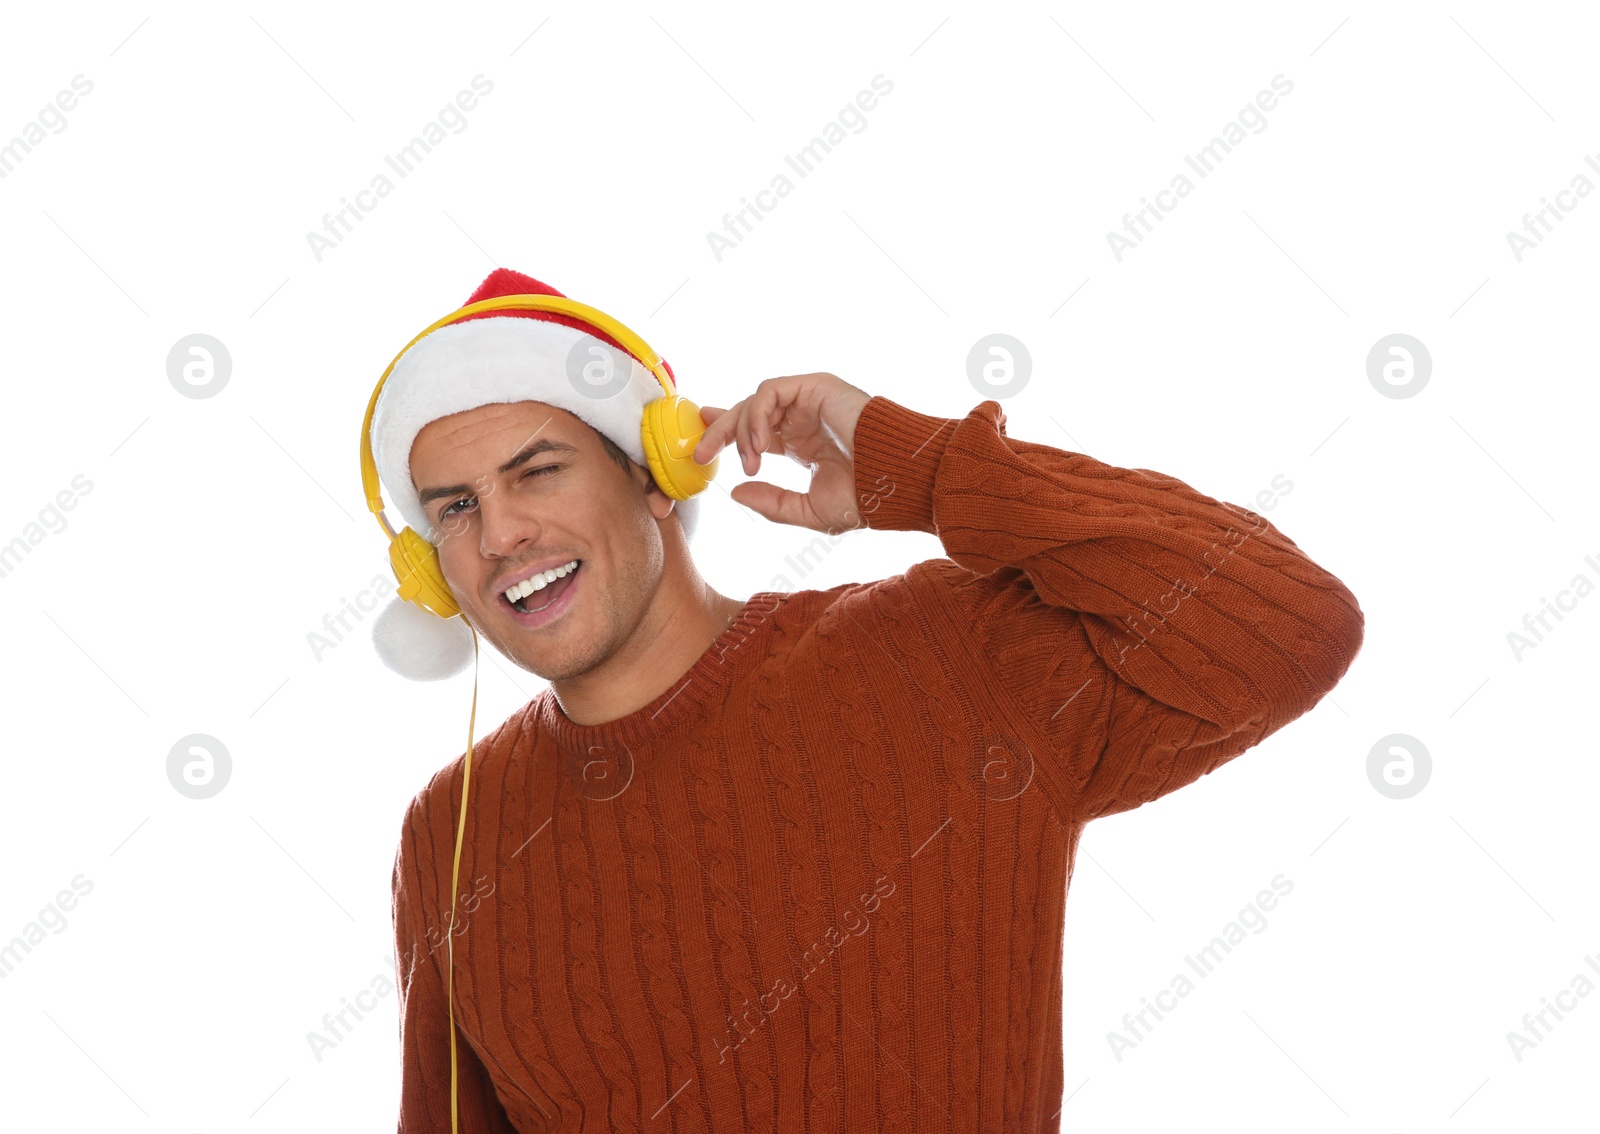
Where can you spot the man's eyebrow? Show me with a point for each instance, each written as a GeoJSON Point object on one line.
{"type": "Point", "coordinates": [543, 445]}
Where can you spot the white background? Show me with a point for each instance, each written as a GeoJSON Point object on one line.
{"type": "Point", "coordinates": [1229, 347]}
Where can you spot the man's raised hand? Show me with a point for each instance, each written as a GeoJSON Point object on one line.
{"type": "Point", "coordinates": [810, 418]}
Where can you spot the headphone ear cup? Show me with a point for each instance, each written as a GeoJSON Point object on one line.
{"type": "Point", "coordinates": [421, 578]}
{"type": "Point", "coordinates": [670, 430]}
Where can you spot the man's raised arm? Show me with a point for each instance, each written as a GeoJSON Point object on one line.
{"type": "Point", "coordinates": [1139, 632]}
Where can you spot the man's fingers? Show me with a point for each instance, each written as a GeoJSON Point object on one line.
{"type": "Point", "coordinates": [773, 408]}
{"type": "Point", "coordinates": [750, 424]}
{"type": "Point", "coordinates": [713, 439]}
{"type": "Point", "coordinates": [766, 407]}
{"type": "Point", "coordinates": [761, 414]}
{"type": "Point", "coordinates": [742, 430]}
{"type": "Point", "coordinates": [736, 432]}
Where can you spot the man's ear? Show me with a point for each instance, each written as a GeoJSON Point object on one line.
{"type": "Point", "coordinates": [659, 503]}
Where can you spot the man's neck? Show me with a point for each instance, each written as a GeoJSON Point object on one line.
{"type": "Point", "coordinates": [671, 638]}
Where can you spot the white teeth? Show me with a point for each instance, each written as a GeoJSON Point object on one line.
{"type": "Point", "coordinates": [539, 582]}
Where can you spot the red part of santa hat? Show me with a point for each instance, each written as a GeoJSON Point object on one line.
{"type": "Point", "coordinates": [505, 281]}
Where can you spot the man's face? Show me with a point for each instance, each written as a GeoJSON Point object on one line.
{"type": "Point", "coordinates": [495, 518]}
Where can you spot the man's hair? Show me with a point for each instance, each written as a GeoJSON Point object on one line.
{"type": "Point", "coordinates": [624, 462]}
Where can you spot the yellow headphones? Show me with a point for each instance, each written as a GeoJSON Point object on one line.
{"type": "Point", "coordinates": [671, 429]}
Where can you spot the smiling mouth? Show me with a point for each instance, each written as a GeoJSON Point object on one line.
{"type": "Point", "coordinates": [535, 601]}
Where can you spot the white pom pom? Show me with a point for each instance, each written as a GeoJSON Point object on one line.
{"type": "Point", "coordinates": [418, 644]}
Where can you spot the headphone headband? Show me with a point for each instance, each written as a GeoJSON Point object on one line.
{"type": "Point", "coordinates": [559, 304]}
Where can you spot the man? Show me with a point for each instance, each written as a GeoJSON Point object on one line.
{"type": "Point", "coordinates": [799, 862]}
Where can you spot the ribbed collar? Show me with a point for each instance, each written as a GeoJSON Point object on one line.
{"type": "Point", "coordinates": [731, 654]}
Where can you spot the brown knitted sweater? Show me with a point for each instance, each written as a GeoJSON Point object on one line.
{"type": "Point", "coordinates": [818, 884]}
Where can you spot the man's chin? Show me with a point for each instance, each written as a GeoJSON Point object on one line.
{"type": "Point", "coordinates": [541, 668]}
{"type": "Point", "coordinates": [552, 653]}
{"type": "Point", "coordinates": [527, 650]}
{"type": "Point", "coordinates": [557, 662]}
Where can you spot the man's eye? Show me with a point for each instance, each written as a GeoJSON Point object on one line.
{"type": "Point", "coordinates": [450, 509]}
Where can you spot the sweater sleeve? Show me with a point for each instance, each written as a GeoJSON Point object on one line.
{"type": "Point", "coordinates": [424, 1012]}
{"type": "Point", "coordinates": [1141, 632]}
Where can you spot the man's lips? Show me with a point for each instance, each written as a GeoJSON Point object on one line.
{"type": "Point", "coordinates": [546, 596]}
{"type": "Point", "coordinates": [526, 573]}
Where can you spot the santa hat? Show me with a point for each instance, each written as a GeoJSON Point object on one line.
{"type": "Point", "coordinates": [486, 358]}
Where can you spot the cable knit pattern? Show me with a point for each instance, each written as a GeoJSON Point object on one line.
{"type": "Point", "coordinates": [819, 883]}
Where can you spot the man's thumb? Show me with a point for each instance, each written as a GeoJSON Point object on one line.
{"type": "Point", "coordinates": [760, 497]}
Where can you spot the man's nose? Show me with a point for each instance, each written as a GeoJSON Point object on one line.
{"type": "Point", "coordinates": [503, 527]}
